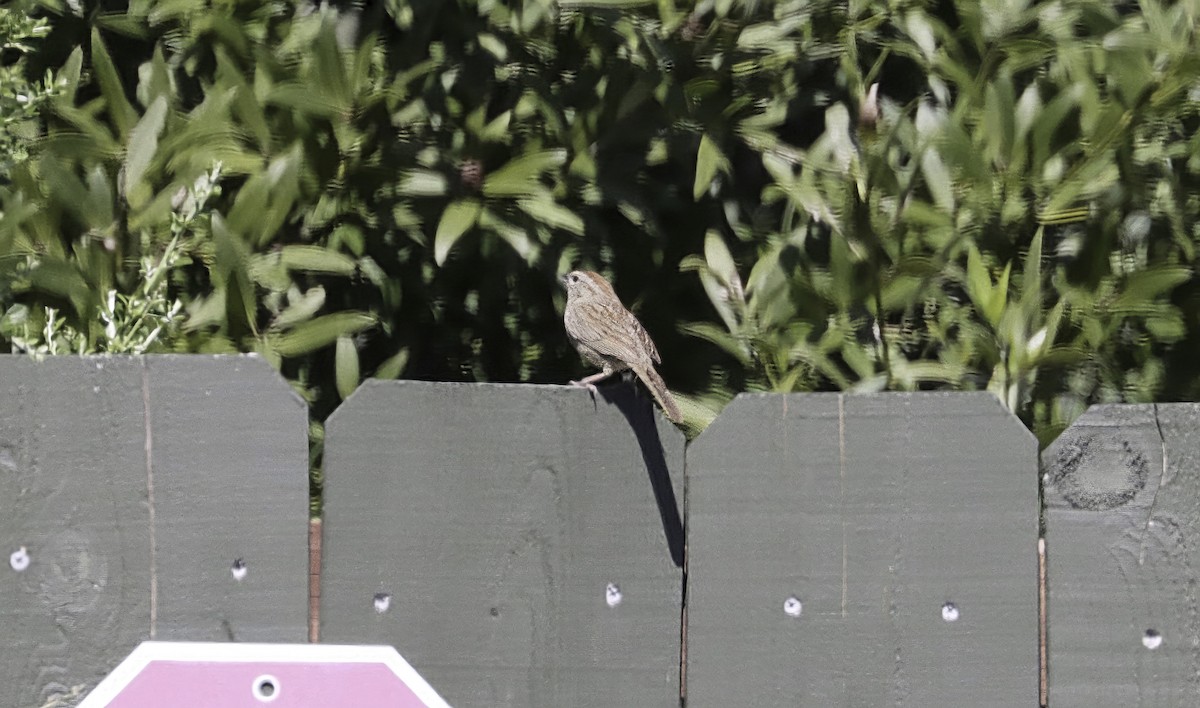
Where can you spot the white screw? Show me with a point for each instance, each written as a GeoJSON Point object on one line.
{"type": "Point", "coordinates": [266, 688]}
{"type": "Point", "coordinates": [612, 595]}
{"type": "Point", "coordinates": [19, 560]}
{"type": "Point", "coordinates": [1151, 639]}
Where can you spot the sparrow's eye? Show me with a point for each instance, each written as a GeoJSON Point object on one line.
{"type": "Point", "coordinates": [574, 278]}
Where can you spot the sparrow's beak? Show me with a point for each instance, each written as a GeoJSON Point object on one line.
{"type": "Point", "coordinates": [563, 281]}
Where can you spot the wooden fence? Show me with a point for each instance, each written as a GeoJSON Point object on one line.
{"type": "Point", "coordinates": [528, 546]}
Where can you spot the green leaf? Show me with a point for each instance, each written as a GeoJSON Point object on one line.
{"type": "Point", "coordinates": [246, 107]}
{"type": "Point", "coordinates": [708, 160]}
{"type": "Point", "coordinates": [421, 183]}
{"type": "Point", "coordinates": [765, 276]}
{"type": "Point", "coordinates": [393, 366]}
{"type": "Point", "coordinates": [520, 177]}
{"type": "Point", "coordinates": [457, 219]}
{"type": "Point", "coordinates": [67, 77]}
{"type": "Point", "coordinates": [497, 130]}
{"type": "Point", "coordinates": [155, 79]}
{"type": "Point", "coordinates": [1047, 124]}
{"type": "Point", "coordinates": [1146, 286]}
{"type": "Point", "coordinates": [143, 142]}
{"type": "Point", "coordinates": [99, 203]}
{"type": "Point", "coordinates": [301, 98]}
{"type": "Point", "coordinates": [1168, 327]}
{"type": "Point", "coordinates": [345, 364]}
{"type": "Point", "coordinates": [769, 34]}
{"type": "Point", "coordinates": [348, 237]}
{"type": "Point", "coordinates": [492, 45]}
{"type": "Point", "coordinates": [129, 24]}
{"type": "Point", "coordinates": [318, 333]}
{"type": "Point", "coordinates": [514, 236]}
{"type": "Point", "coordinates": [204, 312]}
{"type": "Point", "coordinates": [722, 338]}
{"type": "Point", "coordinates": [264, 203]}
{"type": "Point", "coordinates": [900, 292]}
{"type": "Point", "coordinates": [267, 272]}
{"type": "Point", "coordinates": [328, 73]}
{"type": "Point", "coordinates": [549, 212]}
{"type": "Point", "coordinates": [1088, 179]}
{"type": "Point", "coordinates": [232, 270]}
{"type": "Point", "coordinates": [979, 285]}
{"type": "Point", "coordinates": [998, 119]}
{"type": "Point", "coordinates": [720, 262]}
{"type": "Point", "coordinates": [606, 3]}
{"type": "Point", "coordinates": [66, 190]}
{"type": "Point", "coordinates": [1029, 106]}
{"type": "Point", "coordinates": [315, 259]}
{"type": "Point", "coordinates": [920, 29]}
{"type": "Point", "coordinates": [301, 308]}
{"type": "Point", "coordinates": [63, 279]}
{"type": "Point", "coordinates": [119, 108]}
{"type": "Point", "coordinates": [720, 297]}
{"type": "Point", "coordinates": [1031, 279]}
{"type": "Point", "coordinates": [999, 298]}
{"type": "Point", "coordinates": [805, 352]}
{"type": "Point", "coordinates": [164, 10]}
{"type": "Point", "coordinates": [251, 200]}
{"type": "Point", "coordinates": [937, 178]}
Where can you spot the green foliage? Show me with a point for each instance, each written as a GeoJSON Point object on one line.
{"type": "Point", "coordinates": [20, 97]}
{"type": "Point", "coordinates": [791, 195]}
{"type": "Point", "coordinates": [995, 202]}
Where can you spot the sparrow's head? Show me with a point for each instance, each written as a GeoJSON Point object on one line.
{"type": "Point", "coordinates": [586, 284]}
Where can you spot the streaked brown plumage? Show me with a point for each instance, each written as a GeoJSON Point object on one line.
{"type": "Point", "coordinates": [608, 336]}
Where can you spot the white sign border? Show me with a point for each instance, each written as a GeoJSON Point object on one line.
{"type": "Point", "coordinates": [237, 653]}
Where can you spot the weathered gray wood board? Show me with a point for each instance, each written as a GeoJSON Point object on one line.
{"type": "Point", "coordinates": [862, 551]}
{"type": "Point", "coordinates": [514, 543]}
{"type": "Point", "coordinates": [129, 487]}
{"type": "Point", "coordinates": [1122, 496]}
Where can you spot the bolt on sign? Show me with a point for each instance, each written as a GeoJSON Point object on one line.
{"type": "Point", "coordinates": [224, 675]}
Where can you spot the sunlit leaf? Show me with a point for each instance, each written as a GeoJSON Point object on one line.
{"type": "Point", "coordinates": [519, 177]}
{"type": "Point", "coordinates": [320, 332]}
{"type": "Point", "coordinates": [514, 236]}
{"type": "Point", "coordinates": [720, 263]}
{"type": "Point", "coordinates": [301, 308]}
{"type": "Point", "coordinates": [708, 161]}
{"type": "Point", "coordinates": [232, 271]}
{"type": "Point", "coordinates": [421, 183]}
{"type": "Point", "coordinates": [549, 212]}
{"type": "Point", "coordinates": [393, 366]}
{"type": "Point", "coordinates": [345, 364]}
{"type": "Point", "coordinates": [119, 108]}
{"type": "Point", "coordinates": [1143, 287]}
{"type": "Point", "coordinates": [316, 259]}
{"type": "Point", "coordinates": [143, 142]}
{"type": "Point", "coordinates": [457, 219]}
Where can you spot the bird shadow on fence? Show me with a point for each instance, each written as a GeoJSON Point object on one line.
{"type": "Point", "coordinates": [639, 412]}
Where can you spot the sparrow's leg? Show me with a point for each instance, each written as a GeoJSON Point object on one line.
{"type": "Point", "coordinates": [589, 382]}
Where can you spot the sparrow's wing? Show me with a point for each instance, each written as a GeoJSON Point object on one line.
{"type": "Point", "coordinates": [644, 338]}
{"type": "Point", "coordinates": [613, 332]}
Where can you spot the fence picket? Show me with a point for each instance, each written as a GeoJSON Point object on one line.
{"type": "Point", "coordinates": [130, 487]}
{"type": "Point", "coordinates": [862, 550]}
{"type": "Point", "coordinates": [1121, 515]}
{"type": "Point", "coordinates": [514, 543]}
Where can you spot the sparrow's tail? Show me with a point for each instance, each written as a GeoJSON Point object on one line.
{"type": "Point", "coordinates": [655, 383]}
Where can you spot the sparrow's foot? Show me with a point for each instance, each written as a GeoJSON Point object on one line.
{"type": "Point", "coordinates": [591, 387]}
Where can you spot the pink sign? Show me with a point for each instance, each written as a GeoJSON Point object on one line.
{"type": "Point", "coordinates": [230, 675]}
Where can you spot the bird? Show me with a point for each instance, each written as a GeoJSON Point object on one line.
{"type": "Point", "coordinates": [609, 336]}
